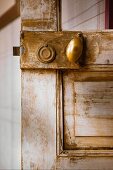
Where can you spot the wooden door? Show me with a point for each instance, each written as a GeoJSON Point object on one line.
{"type": "Point", "coordinates": [67, 110]}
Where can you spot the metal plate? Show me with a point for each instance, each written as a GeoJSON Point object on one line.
{"type": "Point", "coordinates": [97, 52]}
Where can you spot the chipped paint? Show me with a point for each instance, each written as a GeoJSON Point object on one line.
{"type": "Point", "coordinates": [91, 113]}
{"type": "Point", "coordinates": [39, 15]}
{"type": "Point", "coordinates": [48, 98]}
{"type": "Point", "coordinates": [38, 119]}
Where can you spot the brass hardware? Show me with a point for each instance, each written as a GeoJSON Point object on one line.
{"type": "Point", "coordinates": [16, 51]}
{"type": "Point", "coordinates": [46, 54]}
{"type": "Point", "coordinates": [74, 48]}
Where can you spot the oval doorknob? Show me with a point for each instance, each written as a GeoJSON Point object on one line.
{"type": "Point", "coordinates": [74, 48]}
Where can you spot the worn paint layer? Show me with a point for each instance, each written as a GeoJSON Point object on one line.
{"type": "Point", "coordinates": [39, 87]}
{"type": "Point", "coordinates": [94, 108]}
{"type": "Point", "coordinates": [88, 163]}
{"type": "Point", "coordinates": [88, 110]}
{"type": "Point", "coordinates": [38, 119]}
{"type": "Point", "coordinates": [39, 15]}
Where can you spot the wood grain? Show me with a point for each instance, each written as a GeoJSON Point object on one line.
{"type": "Point", "coordinates": [38, 89]}
{"type": "Point", "coordinates": [39, 15]}
{"type": "Point", "coordinates": [38, 119]}
{"type": "Point", "coordinates": [88, 109]}
{"type": "Point", "coordinates": [48, 140]}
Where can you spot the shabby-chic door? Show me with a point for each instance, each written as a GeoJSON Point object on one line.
{"type": "Point", "coordinates": [67, 92]}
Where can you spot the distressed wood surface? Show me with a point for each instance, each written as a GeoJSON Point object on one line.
{"type": "Point", "coordinates": [88, 110]}
{"type": "Point", "coordinates": [38, 120]}
{"type": "Point", "coordinates": [97, 53]}
{"type": "Point", "coordinates": [45, 135]}
{"type": "Point", "coordinates": [94, 108]}
{"type": "Point", "coordinates": [39, 91]}
{"type": "Point", "coordinates": [93, 126]}
{"type": "Point", "coordinates": [84, 163]}
{"type": "Point", "coordinates": [39, 15]}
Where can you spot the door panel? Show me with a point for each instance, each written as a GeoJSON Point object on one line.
{"type": "Point", "coordinates": [88, 110]}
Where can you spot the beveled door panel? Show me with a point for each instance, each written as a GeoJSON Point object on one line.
{"type": "Point", "coordinates": [88, 109]}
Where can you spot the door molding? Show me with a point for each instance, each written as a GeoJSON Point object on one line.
{"type": "Point", "coordinates": [61, 151]}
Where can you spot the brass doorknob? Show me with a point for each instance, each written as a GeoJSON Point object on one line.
{"type": "Point", "coordinates": [74, 48]}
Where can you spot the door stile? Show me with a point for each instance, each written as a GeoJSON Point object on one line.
{"type": "Point", "coordinates": [39, 91]}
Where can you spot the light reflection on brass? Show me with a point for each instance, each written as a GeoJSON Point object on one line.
{"type": "Point", "coordinates": [74, 48]}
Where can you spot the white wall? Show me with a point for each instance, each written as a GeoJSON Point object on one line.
{"type": "Point", "coordinates": [83, 14]}
{"type": "Point", "coordinates": [10, 111]}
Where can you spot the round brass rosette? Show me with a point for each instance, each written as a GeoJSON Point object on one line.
{"type": "Point", "coordinates": [46, 54]}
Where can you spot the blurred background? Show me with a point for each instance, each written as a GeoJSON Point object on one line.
{"type": "Point", "coordinates": [83, 14]}
{"type": "Point", "coordinates": [76, 15]}
{"type": "Point", "coordinates": [10, 87]}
